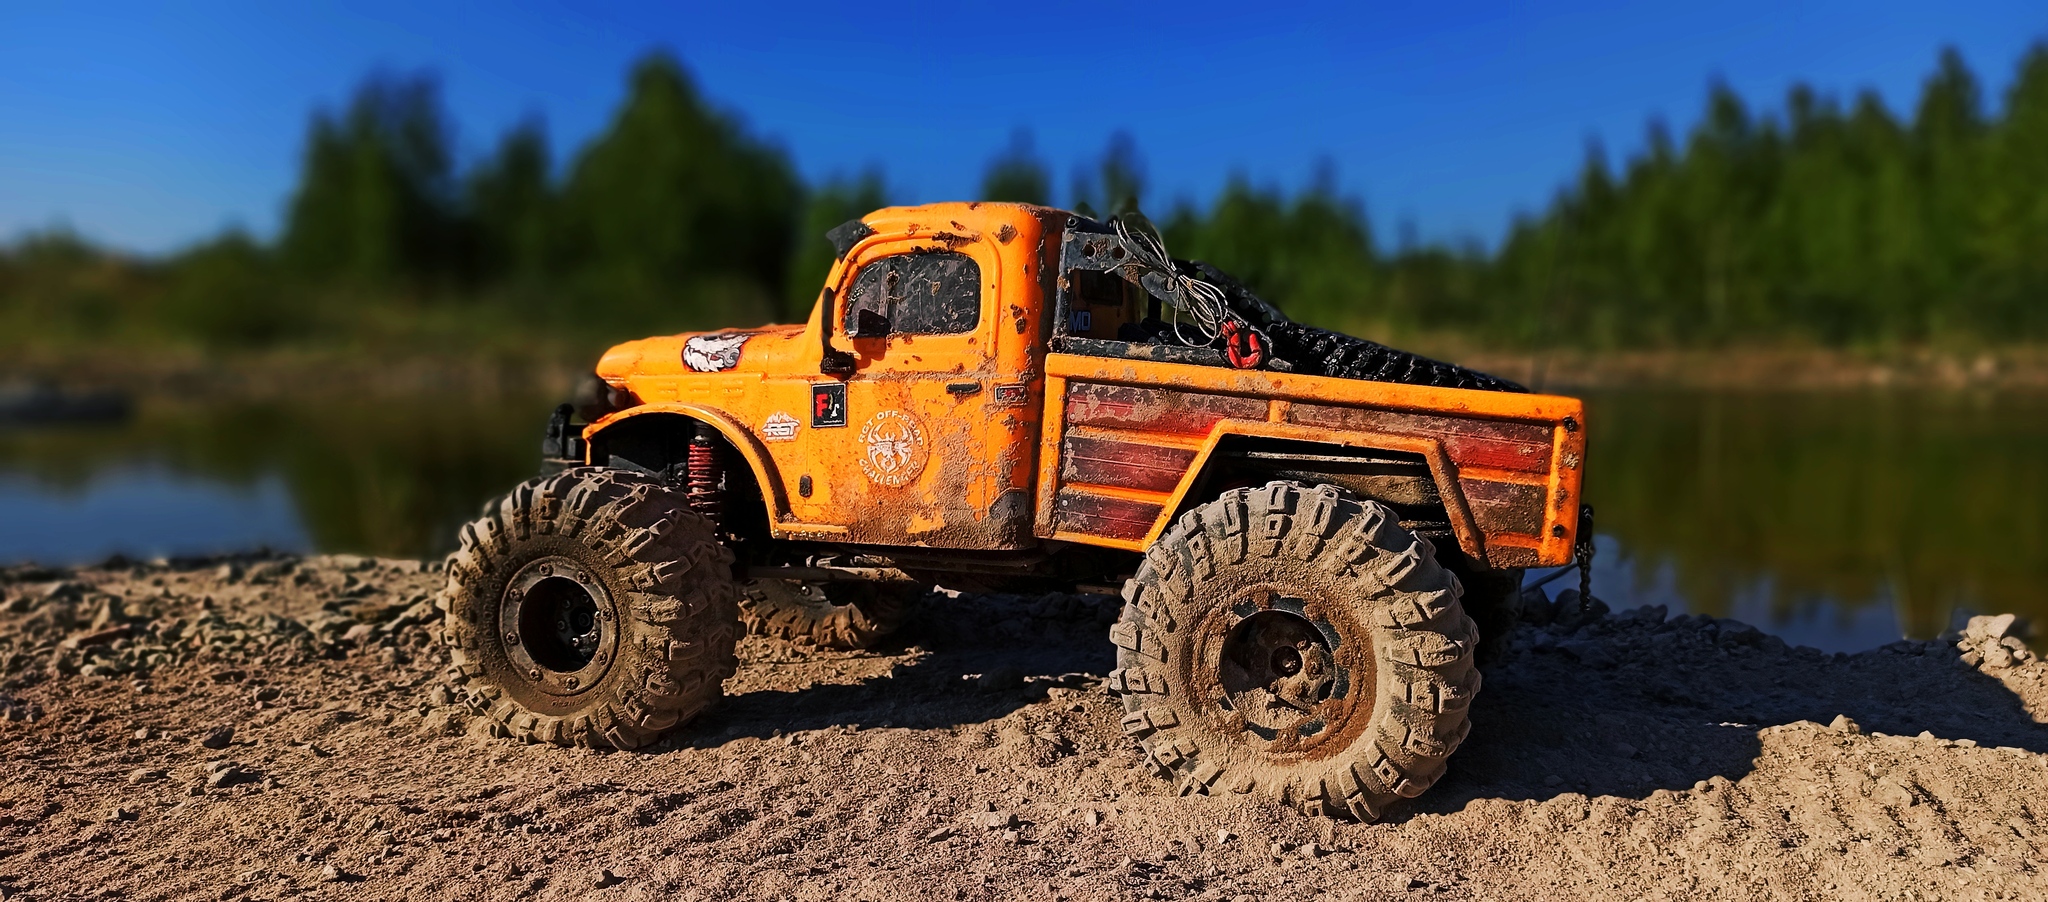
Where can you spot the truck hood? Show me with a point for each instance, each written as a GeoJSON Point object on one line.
{"type": "Point", "coordinates": [758, 350]}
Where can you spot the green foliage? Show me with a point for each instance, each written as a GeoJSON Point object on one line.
{"type": "Point", "coordinates": [1313, 253]}
{"type": "Point", "coordinates": [1017, 175]}
{"type": "Point", "coordinates": [1116, 185]}
{"type": "Point", "coordinates": [1823, 221]}
{"type": "Point", "coordinates": [375, 202]}
{"type": "Point", "coordinates": [676, 203]}
{"type": "Point", "coordinates": [225, 294]}
{"type": "Point", "coordinates": [1832, 226]}
{"type": "Point", "coordinates": [512, 203]}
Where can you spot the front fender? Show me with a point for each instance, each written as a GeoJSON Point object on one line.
{"type": "Point", "coordinates": [773, 496]}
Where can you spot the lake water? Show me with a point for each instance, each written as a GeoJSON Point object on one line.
{"type": "Point", "coordinates": [1841, 521]}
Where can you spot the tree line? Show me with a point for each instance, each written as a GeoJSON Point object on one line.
{"type": "Point", "coordinates": [1824, 221]}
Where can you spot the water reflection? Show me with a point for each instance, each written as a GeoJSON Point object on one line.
{"type": "Point", "coordinates": [384, 477]}
{"type": "Point", "coordinates": [1835, 520]}
{"type": "Point", "coordinates": [1825, 511]}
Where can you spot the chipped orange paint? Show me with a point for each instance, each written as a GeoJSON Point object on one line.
{"type": "Point", "coordinates": [990, 475]}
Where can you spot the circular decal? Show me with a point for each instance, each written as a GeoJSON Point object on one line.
{"type": "Point", "coordinates": [896, 448]}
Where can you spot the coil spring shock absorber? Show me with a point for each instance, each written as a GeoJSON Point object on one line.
{"type": "Point", "coordinates": [705, 476]}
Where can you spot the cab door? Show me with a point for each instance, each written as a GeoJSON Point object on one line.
{"type": "Point", "coordinates": [907, 432]}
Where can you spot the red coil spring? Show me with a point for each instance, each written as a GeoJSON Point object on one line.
{"type": "Point", "coordinates": [706, 478]}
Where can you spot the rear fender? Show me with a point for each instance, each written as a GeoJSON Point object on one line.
{"type": "Point", "coordinates": [1441, 470]}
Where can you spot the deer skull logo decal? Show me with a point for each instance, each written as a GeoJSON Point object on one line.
{"type": "Point", "coordinates": [714, 353]}
{"type": "Point", "coordinates": [896, 448]}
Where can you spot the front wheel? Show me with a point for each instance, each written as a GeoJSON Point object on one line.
{"type": "Point", "coordinates": [591, 607]}
{"type": "Point", "coordinates": [1296, 642]}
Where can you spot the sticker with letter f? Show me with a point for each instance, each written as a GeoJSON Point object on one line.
{"type": "Point", "coordinates": [828, 404]}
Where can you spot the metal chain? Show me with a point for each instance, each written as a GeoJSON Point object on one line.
{"type": "Point", "coordinates": [1583, 552]}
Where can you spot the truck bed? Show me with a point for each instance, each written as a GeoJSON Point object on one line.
{"type": "Point", "coordinates": [1125, 441]}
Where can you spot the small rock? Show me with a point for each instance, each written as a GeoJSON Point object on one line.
{"type": "Point", "coordinates": [606, 878]}
{"type": "Point", "coordinates": [1224, 836]}
{"type": "Point", "coordinates": [121, 814]}
{"type": "Point", "coordinates": [1092, 818]}
{"type": "Point", "coordinates": [1012, 837]}
{"type": "Point", "coordinates": [1996, 626]}
{"type": "Point", "coordinates": [939, 835]}
{"type": "Point", "coordinates": [1590, 653]}
{"type": "Point", "coordinates": [1842, 724]}
{"type": "Point", "coordinates": [997, 820]}
{"type": "Point", "coordinates": [145, 775]}
{"type": "Point", "coordinates": [1000, 679]}
{"type": "Point", "coordinates": [1735, 632]}
{"type": "Point", "coordinates": [332, 874]}
{"type": "Point", "coordinates": [142, 734]}
{"type": "Point", "coordinates": [1996, 656]}
{"type": "Point", "coordinates": [359, 632]}
{"type": "Point", "coordinates": [1573, 612]}
{"type": "Point", "coordinates": [218, 737]}
{"type": "Point", "coordinates": [227, 775]}
{"type": "Point", "coordinates": [1891, 794]}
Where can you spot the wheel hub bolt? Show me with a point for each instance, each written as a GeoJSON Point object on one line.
{"type": "Point", "coordinates": [1286, 660]}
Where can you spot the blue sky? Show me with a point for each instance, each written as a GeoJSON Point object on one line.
{"type": "Point", "coordinates": [149, 126]}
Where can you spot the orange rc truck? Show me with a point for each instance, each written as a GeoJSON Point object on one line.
{"type": "Point", "coordinates": [1000, 397]}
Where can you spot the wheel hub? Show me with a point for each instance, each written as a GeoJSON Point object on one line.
{"type": "Point", "coordinates": [559, 625]}
{"type": "Point", "coordinates": [1279, 680]}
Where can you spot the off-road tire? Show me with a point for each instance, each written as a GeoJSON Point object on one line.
{"type": "Point", "coordinates": [658, 600]}
{"type": "Point", "coordinates": [845, 616]}
{"type": "Point", "coordinates": [1364, 599]}
{"type": "Point", "coordinates": [1493, 599]}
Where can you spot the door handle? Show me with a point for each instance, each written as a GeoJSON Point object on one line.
{"type": "Point", "coordinates": [964, 389]}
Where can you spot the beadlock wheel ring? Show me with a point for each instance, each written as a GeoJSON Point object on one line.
{"type": "Point", "coordinates": [558, 625]}
{"type": "Point", "coordinates": [1282, 680]}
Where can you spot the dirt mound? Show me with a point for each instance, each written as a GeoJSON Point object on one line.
{"type": "Point", "coordinates": [260, 728]}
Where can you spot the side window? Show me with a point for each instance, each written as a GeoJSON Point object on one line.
{"type": "Point", "coordinates": [935, 293]}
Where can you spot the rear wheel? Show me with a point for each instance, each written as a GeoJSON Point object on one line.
{"type": "Point", "coordinates": [1492, 598]}
{"type": "Point", "coordinates": [591, 607]}
{"type": "Point", "coordinates": [847, 616]}
{"type": "Point", "coordinates": [1296, 642]}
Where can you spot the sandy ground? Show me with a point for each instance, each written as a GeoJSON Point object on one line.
{"type": "Point", "coordinates": [276, 728]}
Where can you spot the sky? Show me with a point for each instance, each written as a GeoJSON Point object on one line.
{"type": "Point", "coordinates": [152, 126]}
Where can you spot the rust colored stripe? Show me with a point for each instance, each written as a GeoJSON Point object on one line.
{"type": "Point", "coordinates": [1128, 465]}
{"type": "Point", "coordinates": [1115, 518]}
{"type": "Point", "coordinates": [1523, 447]}
{"type": "Point", "coordinates": [1500, 507]}
{"type": "Point", "coordinates": [1131, 407]}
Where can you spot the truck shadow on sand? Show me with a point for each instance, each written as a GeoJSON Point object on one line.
{"type": "Point", "coordinates": [959, 661]}
{"type": "Point", "coordinates": [1653, 704]}
{"type": "Point", "coordinates": [1622, 707]}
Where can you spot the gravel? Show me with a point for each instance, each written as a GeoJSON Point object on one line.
{"type": "Point", "coordinates": [1626, 755]}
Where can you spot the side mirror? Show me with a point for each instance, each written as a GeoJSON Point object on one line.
{"type": "Point", "coordinates": [868, 324]}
